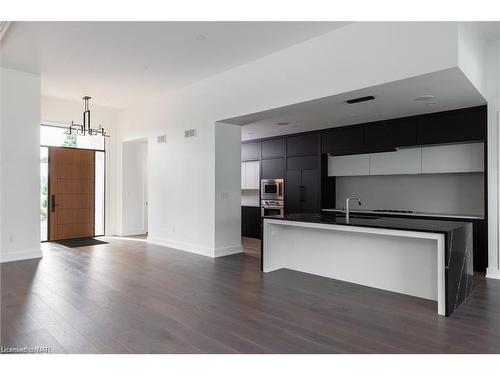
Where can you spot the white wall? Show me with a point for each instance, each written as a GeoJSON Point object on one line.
{"type": "Point", "coordinates": [472, 54]}
{"type": "Point", "coordinates": [227, 189]}
{"type": "Point", "coordinates": [492, 70]}
{"type": "Point", "coordinates": [59, 111]}
{"type": "Point", "coordinates": [134, 180]}
{"type": "Point", "coordinates": [184, 195]}
{"type": "Point", "coordinates": [20, 166]}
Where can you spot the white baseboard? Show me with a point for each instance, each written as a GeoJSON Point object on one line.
{"type": "Point", "coordinates": [135, 232]}
{"type": "Point", "coordinates": [229, 250]}
{"type": "Point", "coordinates": [184, 246]}
{"type": "Point", "coordinates": [492, 273]}
{"type": "Point", "coordinates": [20, 255]}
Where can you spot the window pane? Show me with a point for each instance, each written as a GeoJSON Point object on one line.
{"type": "Point", "coordinates": [99, 193]}
{"type": "Point", "coordinates": [56, 136]}
{"type": "Point", "coordinates": [44, 191]}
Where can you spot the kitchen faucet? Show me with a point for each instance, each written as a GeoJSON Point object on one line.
{"type": "Point", "coordinates": [347, 207]}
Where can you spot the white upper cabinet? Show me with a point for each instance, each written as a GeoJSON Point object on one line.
{"type": "Point", "coordinates": [250, 175]}
{"type": "Point", "coordinates": [349, 165]}
{"type": "Point", "coordinates": [457, 158]}
{"type": "Point", "coordinates": [460, 158]}
{"type": "Point", "coordinates": [405, 161]}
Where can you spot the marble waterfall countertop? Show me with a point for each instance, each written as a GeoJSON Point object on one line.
{"type": "Point", "coordinates": [458, 244]}
{"type": "Point", "coordinates": [414, 213]}
{"type": "Point", "coordinates": [373, 221]}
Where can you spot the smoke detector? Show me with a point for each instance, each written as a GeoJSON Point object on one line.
{"type": "Point", "coordinates": [4, 25]}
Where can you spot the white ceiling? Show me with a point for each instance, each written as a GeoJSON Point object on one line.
{"type": "Point", "coordinates": [118, 63]}
{"type": "Point", "coordinates": [450, 88]}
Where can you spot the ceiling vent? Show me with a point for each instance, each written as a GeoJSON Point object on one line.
{"type": "Point", "coordinates": [189, 133]}
{"type": "Point", "coordinates": [359, 100]}
{"type": "Point", "coordinates": [161, 139]}
{"type": "Point", "coordinates": [4, 25]}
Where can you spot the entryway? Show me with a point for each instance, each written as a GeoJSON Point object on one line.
{"type": "Point", "coordinates": [72, 187]}
{"type": "Point", "coordinates": [71, 193]}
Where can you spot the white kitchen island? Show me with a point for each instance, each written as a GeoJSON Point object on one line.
{"type": "Point", "coordinates": [365, 252]}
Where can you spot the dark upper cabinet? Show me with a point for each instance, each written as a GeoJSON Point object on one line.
{"type": "Point", "coordinates": [273, 148]}
{"type": "Point", "coordinates": [342, 140]}
{"type": "Point", "coordinates": [272, 168]}
{"type": "Point", "coordinates": [391, 134]}
{"type": "Point", "coordinates": [303, 162]}
{"type": "Point", "coordinates": [302, 191]}
{"type": "Point", "coordinates": [250, 151]}
{"type": "Point", "coordinates": [457, 126]}
{"type": "Point", "coordinates": [302, 145]}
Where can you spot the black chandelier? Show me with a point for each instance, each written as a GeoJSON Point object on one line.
{"type": "Point", "coordinates": [85, 128]}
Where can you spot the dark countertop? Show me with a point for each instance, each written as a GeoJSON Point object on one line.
{"type": "Point", "coordinates": [465, 217]}
{"type": "Point", "coordinates": [418, 225]}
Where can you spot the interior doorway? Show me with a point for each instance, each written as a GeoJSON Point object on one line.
{"type": "Point", "coordinates": [135, 187]}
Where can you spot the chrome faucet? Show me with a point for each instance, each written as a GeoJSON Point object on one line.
{"type": "Point", "coordinates": [347, 207]}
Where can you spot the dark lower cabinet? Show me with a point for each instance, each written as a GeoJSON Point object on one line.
{"type": "Point", "coordinates": [250, 221]}
{"type": "Point", "coordinates": [293, 204]}
{"type": "Point", "coordinates": [310, 191]}
{"type": "Point", "coordinates": [272, 168]}
{"type": "Point", "coordinates": [302, 191]}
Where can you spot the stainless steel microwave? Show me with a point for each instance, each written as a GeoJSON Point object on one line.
{"type": "Point", "coordinates": [272, 189]}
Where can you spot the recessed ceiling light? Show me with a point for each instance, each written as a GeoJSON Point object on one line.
{"type": "Point", "coordinates": [424, 98]}
{"type": "Point", "coordinates": [430, 103]}
{"type": "Point", "coordinates": [283, 123]}
{"type": "Point", "coordinates": [201, 37]}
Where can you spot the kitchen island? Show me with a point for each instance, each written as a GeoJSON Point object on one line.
{"type": "Point", "coordinates": [429, 259]}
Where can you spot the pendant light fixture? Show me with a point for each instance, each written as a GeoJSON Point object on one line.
{"type": "Point", "coordinates": [85, 128]}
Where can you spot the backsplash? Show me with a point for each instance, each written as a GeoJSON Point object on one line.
{"type": "Point", "coordinates": [449, 193]}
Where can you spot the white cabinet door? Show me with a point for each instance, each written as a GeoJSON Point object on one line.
{"type": "Point", "coordinates": [461, 158]}
{"type": "Point", "coordinates": [406, 161]}
{"type": "Point", "coordinates": [256, 181]}
{"type": "Point", "coordinates": [243, 175]}
{"type": "Point", "coordinates": [252, 175]}
{"type": "Point", "coordinates": [349, 165]}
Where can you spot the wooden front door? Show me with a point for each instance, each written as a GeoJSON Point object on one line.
{"type": "Point", "coordinates": [71, 193]}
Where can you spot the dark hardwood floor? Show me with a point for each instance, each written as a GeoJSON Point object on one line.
{"type": "Point", "coordinates": [133, 297]}
{"type": "Point", "coordinates": [251, 246]}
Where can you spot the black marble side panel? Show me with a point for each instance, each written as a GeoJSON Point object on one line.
{"type": "Point", "coordinates": [459, 266]}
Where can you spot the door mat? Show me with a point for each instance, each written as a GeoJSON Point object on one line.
{"type": "Point", "coordinates": [79, 242]}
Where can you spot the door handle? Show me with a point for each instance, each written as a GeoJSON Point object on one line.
{"type": "Point", "coordinates": [53, 203]}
